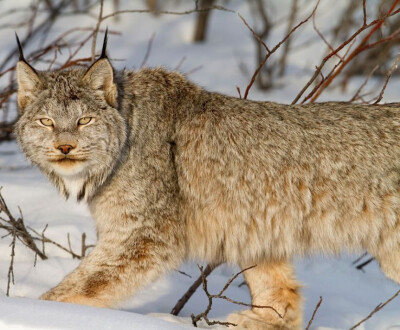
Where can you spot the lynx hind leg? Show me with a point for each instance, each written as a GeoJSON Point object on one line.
{"type": "Point", "coordinates": [274, 285]}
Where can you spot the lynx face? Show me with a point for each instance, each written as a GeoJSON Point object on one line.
{"type": "Point", "coordinates": [70, 126]}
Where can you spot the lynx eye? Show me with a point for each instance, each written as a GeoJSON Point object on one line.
{"type": "Point", "coordinates": [46, 122]}
{"type": "Point", "coordinates": [84, 120]}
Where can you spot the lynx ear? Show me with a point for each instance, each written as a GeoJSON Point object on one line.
{"type": "Point", "coordinates": [100, 76]}
{"type": "Point", "coordinates": [29, 82]}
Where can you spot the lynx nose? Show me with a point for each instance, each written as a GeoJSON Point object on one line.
{"type": "Point", "coordinates": [65, 148]}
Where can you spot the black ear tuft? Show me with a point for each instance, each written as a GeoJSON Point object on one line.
{"type": "Point", "coordinates": [103, 51]}
{"type": "Point", "coordinates": [21, 53]}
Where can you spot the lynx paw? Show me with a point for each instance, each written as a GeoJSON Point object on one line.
{"type": "Point", "coordinates": [72, 299]}
{"type": "Point", "coordinates": [249, 320]}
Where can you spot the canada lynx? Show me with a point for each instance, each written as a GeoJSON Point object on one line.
{"type": "Point", "coordinates": [173, 172]}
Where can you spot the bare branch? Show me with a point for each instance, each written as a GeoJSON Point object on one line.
{"type": "Point", "coordinates": [361, 47]}
{"type": "Point", "coordinates": [362, 265]}
{"type": "Point", "coordinates": [239, 92]}
{"type": "Point", "coordinates": [45, 239]}
{"type": "Point", "coordinates": [364, 13]}
{"type": "Point", "coordinates": [377, 309]}
{"type": "Point", "coordinates": [183, 273]}
{"type": "Point", "coordinates": [138, 11]}
{"type": "Point", "coordinates": [356, 96]}
{"type": "Point", "coordinates": [388, 75]}
{"type": "Point", "coordinates": [10, 276]}
{"type": "Point", "coordinates": [256, 72]}
{"type": "Point", "coordinates": [374, 24]}
{"type": "Point", "coordinates": [256, 36]}
{"type": "Point", "coordinates": [286, 46]}
{"type": "Point", "coordinates": [204, 315]}
{"type": "Point", "coordinates": [192, 289]}
{"type": "Point", "coordinates": [359, 258]}
{"type": "Point", "coordinates": [11, 225]}
{"type": "Point", "coordinates": [148, 50]}
{"type": "Point", "coordinates": [18, 225]}
{"type": "Point", "coordinates": [313, 314]}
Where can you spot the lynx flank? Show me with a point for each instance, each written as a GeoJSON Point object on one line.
{"type": "Point", "coordinates": [173, 172]}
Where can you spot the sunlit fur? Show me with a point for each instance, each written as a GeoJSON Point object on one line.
{"type": "Point", "coordinates": [174, 172]}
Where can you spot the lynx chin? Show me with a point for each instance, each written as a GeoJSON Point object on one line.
{"type": "Point", "coordinates": [172, 172]}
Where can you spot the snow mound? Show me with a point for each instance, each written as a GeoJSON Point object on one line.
{"type": "Point", "coordinates": [23, 313]}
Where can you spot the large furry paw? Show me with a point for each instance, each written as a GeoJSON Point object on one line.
{"type": "Point", "coordinates": [250, 320]}
{"type": "Point", "coordinates": [72, 299]}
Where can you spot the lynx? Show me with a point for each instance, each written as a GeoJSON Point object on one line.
{"type": "Point", "coordinates": [173, 172]}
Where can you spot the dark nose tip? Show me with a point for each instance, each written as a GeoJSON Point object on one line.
{"type": "Point", "coordinates": [65, 148]}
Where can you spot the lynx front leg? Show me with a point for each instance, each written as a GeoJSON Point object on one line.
{"type": "Point", "coordinates": [274, 285]}
{"type": "Point", "coordinates": [112, 271]}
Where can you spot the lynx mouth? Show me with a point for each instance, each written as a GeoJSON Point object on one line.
{"type": "Point", "coordinates": [67, 161]}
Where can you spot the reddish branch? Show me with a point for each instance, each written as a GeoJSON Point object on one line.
{"type": "Point", "coordinates": [376, 24]}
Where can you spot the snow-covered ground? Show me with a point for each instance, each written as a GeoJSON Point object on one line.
{"type": "Point", "coordinates": [348, 294]}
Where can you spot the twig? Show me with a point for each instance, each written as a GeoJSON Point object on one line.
{"type": "Point", "coordinates": [318, 69]}
{"type": "Point", "coordinates": [354, 98]}
{"type": "Point", "coordinates": [83, 245]}
{"type": "Point", "coordinates": [45, 239]}
{"type": "Point", "coordinates": [178, 66]}
{"type": "Point", "coordinates": [192, 289]}
{"type": "Point", "coordinates": [183, 273]}
{"type": "Point", "coordinates": [361, 47]}
{"type": "Point", "coordinates": [313, 314]}
{"type": "Point", "coordinates": [239, 92]}
{"type": "Point", "coordinates": [364, 13]}
{"type": "Point", "coordinates": [41, 28]}
{"type": "Point", "coordinates": [286, 46]}
{"type": "Point", "coordinates": [195, 10]}
{"type": "Point", "coordinates": [21, 232]}
{"type": "Point", "coordinates": [351, 39]}
{"type": "Point", "coordinates": [19, 226]}
{"type": "Point", "coordinates": [43, 245]}
{"type": "Point", "coordinates": [377, 309]}
{"type": "Point", "coordinates": [10, 276]}
{"type": "Point", "coordinates": [197, 68]}
{"type": "Point", "coordinates": [255, 35]}
{"type": "Point", "coordinates": [359, 258]}
{"type": "Point", "coordinates": [273, 50]}
{"type": "Point", "coordinates": [388, 75]}
{"type": "Point", "coordinates": [361, 266]}
{"type": "Point", "coordinates": [148, 50]}
{"type": "Point", "coordinates": [324, 39]}
{"type": "Point", "coordinates": [99, 20]}
{"type": "Point", "coordinates": [204, 315]}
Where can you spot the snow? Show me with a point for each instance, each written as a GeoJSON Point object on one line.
{"type": "Point", "coordinates": [19, 313]}
{"type": "Point", "coordinates": [348, 294]}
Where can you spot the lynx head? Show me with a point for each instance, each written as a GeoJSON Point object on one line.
{"type": "Point", "coordinates": [70, 125]}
